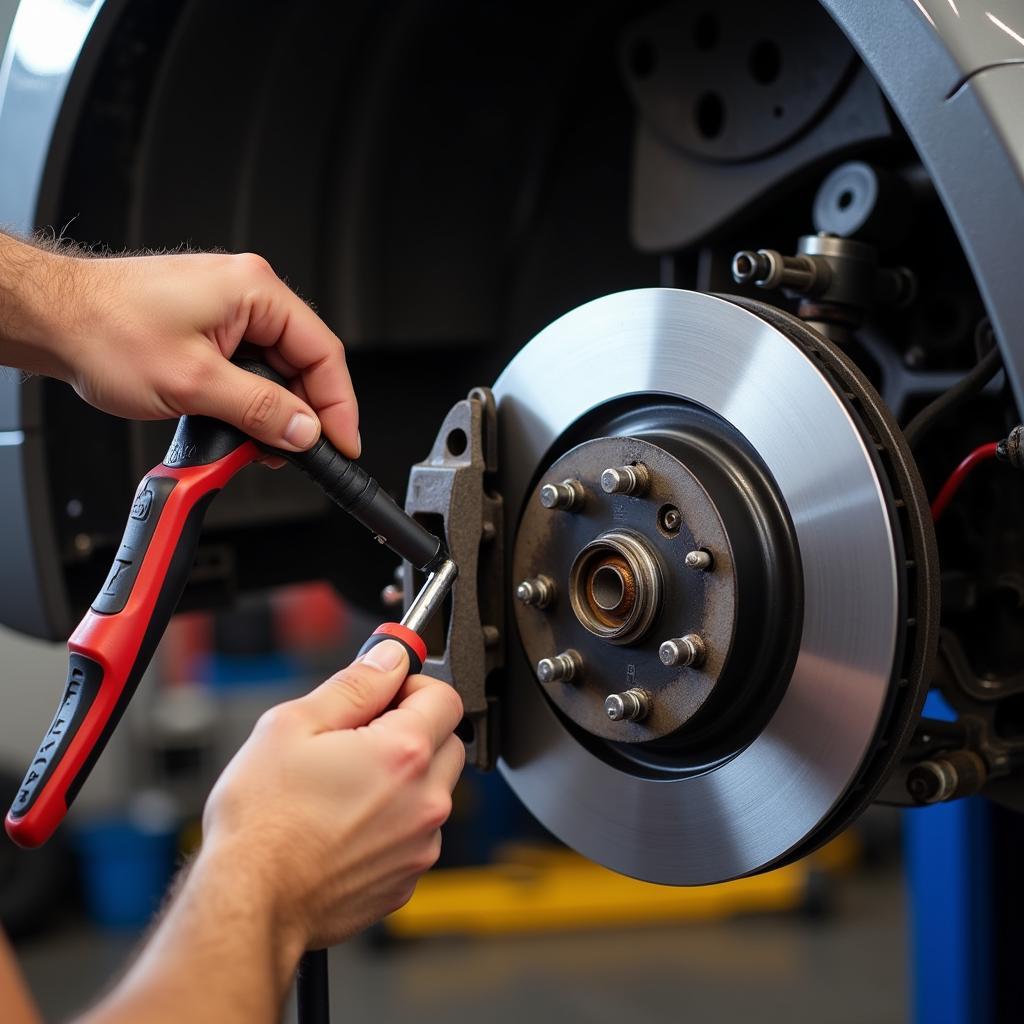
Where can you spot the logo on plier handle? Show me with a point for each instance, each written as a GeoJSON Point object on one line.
{"type": "Point", "coordinates": [142, 503]}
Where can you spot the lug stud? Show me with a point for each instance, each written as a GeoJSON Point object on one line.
{"type": "Point", "coordinates": [633, 479]}
{"type": "Point", "coordinates": [567, 495]}
{"type": "Point", "coordinates": [538, 592]}
{"type": "Point", "coordinates": [562, 668]}
{"type": "Point", "coordinates": [700, 560]}
{"type": "Point", "coordinates": [685, 652]}
{"type": "Point", "coordinates": [629, 706]}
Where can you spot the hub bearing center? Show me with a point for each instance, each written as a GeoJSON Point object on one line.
{"type": "Point", "coordinates": [615, 587]}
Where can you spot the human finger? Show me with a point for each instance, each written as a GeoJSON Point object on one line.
{"type": "Point", "coordinates": [446, 768]}
{"type": "Point", "coordinates": [437, 708]}
{"type": "Point", "coordinates": [259, 407]}
{"type": "Point", "coordinates": [357, 694]}
{"type": "Point", "coordinates": [279, 319]}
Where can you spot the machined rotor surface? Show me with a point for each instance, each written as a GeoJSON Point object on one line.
{"type": "Point", "coordinates": [756, 807]}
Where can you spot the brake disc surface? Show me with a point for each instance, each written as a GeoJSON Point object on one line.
{"type": "Point", "coordinates": [834, 685]}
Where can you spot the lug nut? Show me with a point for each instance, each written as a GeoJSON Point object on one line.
{"type": "Point", "coordinates": [626, 479]}
{"type": "Point", "coordinates": [538, 592]}
{"type": "Point", "coordinates": [628, 706]}
{"type": "Point", "coordinates": [562, 668]}
{"type": "Point", "coordinates": [566, 495]}
{"type": "Point", "coordinates": [685, 652]}
{"type": "Point", "coordinates": [701, 560]}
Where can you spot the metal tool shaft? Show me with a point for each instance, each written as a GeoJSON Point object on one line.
{"type": "Point", "coordinates": [430, 596]}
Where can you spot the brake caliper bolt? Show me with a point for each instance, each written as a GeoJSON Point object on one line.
{"type": "Point", "coordinates": [538, 592]}
{"type": "Point", "coordinates": [701, 560]}
{"type": "Point", "coordinates": [562, 668]}
{"type": "Point", "coordinates": [633, 479]}
{"type": "Point", "coordinates": [629, 706]}
{"type": "Point", "coordinates": [685, 651]}
{"type": "Point", "coordinates": [567, 495]}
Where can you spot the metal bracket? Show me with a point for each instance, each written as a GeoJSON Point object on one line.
{"type": "Point", "coordinates": [452, 483]}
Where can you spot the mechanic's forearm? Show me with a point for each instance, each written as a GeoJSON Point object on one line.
{"type": "Point", "coordinates": [218, 955]}
{"type": "Point", "coordinates": [40, 304]}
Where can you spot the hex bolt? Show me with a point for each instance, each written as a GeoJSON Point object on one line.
{"type": "Point", "coordinates": [633, 479]}
{"type": "Point", "coordinates": [770, 269]}
{"type": "Point", "coordinates": [700, 560]}
{"type": "Point", "coordinates": [629, 706]}
{"type": "Point", "coordinates": [685, 651]}
{"type": "Point", "coordinates": [956, 774]}
{"type": "Point", "coordinates": [538, 592]}
{"type": "Point", "coordinates": [562, 668]}
{"type": "Point", "coordinates": [567, 495]}
{"type": "Point", "coordinates": [931, 782]}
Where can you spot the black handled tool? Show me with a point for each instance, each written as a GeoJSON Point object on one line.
{"type": "Point", "coordinates": [113, 644]}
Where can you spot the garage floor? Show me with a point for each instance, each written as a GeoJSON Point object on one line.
{"type": "Point", "coordinates": [846, 969]}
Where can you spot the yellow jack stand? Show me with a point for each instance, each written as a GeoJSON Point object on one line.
{"type": "Point", "coordinates": [539, 888]}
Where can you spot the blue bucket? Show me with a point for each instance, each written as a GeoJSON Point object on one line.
{"type": "Point", "coordinates": [125, 870]}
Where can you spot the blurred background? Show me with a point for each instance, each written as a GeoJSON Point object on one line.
{"type": "Point", "coordinates": [882, 925]}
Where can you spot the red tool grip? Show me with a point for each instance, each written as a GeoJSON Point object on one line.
{"type": "Point", "coordinates": [113, 644]}
{"type": "Point", "coordinates": [412, 642]}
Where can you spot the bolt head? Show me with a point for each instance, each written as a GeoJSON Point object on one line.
{"type": "Point", "coordinates": [669, 653]}
{"type": "Point", "coordinates": [928, 783]}
{"type": "Point", "coordinates": [560, 668]}
{"type": "Point", "coordinates": [684, 651]}
{"type": "Point", "coordinates": [549, 496]}
{"type": "Point", "coordinates": [538, 592]}
{"type": "Point", "coordinates": [699, 560]}
{"type": "Point", "coordinates": [630, 706]}
{"type": "Point", "coordinates": [615, 707]}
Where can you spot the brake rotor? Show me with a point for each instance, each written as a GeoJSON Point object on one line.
{"type": "Point", "coordinates": [810, 595]}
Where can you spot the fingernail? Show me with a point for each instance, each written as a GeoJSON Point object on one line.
{"type": "Point", "coordinates": [301, 431]}
{"type": "Point", "coordinates": [387, 655]}
{"type": "Point", "coordinates": [359, 444]}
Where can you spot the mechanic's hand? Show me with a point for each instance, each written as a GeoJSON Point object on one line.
{"type": "Point", "coordinates": [149, 337]}
{"type": "Point", "coordinates": [335, 802]}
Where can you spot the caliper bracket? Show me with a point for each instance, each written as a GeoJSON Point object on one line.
{"type": "Point", "coordinates": [452, 483]}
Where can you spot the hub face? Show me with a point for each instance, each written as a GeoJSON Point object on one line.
{"type": "Point", "coordinates": [622, 587]}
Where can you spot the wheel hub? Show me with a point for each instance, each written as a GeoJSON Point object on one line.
{"type": "Point", "coordinates": [622, 588]}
